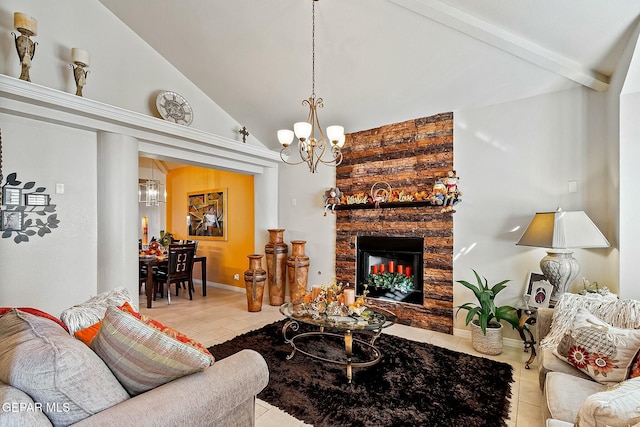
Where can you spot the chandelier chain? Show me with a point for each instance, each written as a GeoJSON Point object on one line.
{"type": "Point", "coordinates": [313, 51]}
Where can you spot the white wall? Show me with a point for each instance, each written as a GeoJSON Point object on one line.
{"type": "Point", "coordinates": [516, 159]}
{"type": "Point", "coordinates": [59, 269]}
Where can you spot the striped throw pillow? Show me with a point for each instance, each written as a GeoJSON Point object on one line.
{"type": "Point", "coordinates": [142, 357]}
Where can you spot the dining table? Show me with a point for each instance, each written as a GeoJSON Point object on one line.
{"type": "Point", "coordinates": [150, 261]}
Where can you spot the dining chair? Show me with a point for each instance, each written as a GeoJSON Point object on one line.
{"type": "Point", "coordinates": [179, 269]}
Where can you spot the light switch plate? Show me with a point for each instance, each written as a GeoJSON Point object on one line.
{"type": "Point", "coordinates": [59, 188]}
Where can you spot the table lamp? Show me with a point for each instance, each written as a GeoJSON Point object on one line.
{"type": "Point", "coordinates": [560, 231]}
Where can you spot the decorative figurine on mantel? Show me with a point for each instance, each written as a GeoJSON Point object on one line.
{"type": "Point", "coordinates": [80, 60]}
{"type": "Point", "coordinates": [331, 198]}
{"type": "Point", "coordinates": [27, 26]}
{"type": "Point", "coordinates": [245, 133]}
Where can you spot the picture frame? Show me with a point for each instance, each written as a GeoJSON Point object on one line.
{"type": "Point", "coordinates": [532, 277]}
{"type": "Point", "coordinates": [37, 199]}
{"type": "Point", "coordinates": [12, 220]}
{"type": "Point", "coordinates": [207, 214]}
{"type": "Point", "coordinates": [541, 294]}
{"type": "Point", "coordinates": [11, 196]}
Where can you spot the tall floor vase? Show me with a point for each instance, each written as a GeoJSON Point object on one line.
{"type": "Point", "coordinates": [276, 253]}
{"type": "Point", "coordinates": [254, 279]}
{"type": "Point", "coordinates": [298, 271]}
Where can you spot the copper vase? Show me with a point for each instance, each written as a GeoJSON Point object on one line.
{"type": "Point", "coordinates": [276, 254]}
{"type": "Point", "coordinates": [298, 271]}
{"type": "Point", "coordinates": [254, 279]}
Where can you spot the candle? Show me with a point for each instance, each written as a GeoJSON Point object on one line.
{"type": "Point", "coordinates": [374, 269]}
{"type": "Point", "coordinates": [401, 269]}
{"type": "Point", "coordinates": [407, 271]}
{"type": "Point", "coordinates": [382, 267]}
{"type": "Point", "coordinates": [145, 230]}
{"type": "Point", "coordinates": [315, 291]}
{"type": "Point", "coordinates": [80, 56]}
{"type": "Point", "coordinates": [392, 266]}
{"type": "Point", "coordinates": [25, 22]}
{"type": "Point", "coordinates": [349, 296]}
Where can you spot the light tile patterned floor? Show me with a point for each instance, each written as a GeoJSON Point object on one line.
{"type": "Point", "coordinates": [223, 314]}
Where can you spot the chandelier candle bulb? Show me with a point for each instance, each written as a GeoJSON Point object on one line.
{"type": "Point", "coordinates": [349, 296]}
{"type": "Point", "coordinates": [25, 22]}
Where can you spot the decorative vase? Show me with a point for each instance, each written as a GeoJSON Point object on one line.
{"type": "Point", "coordinates": [276, 253]}
{"type": "Point", "coordinates": [254, 279]}
{"type": "Point", "coordinates": [298, 271]}
{"type": "Point", "coordinates": [491, 343]}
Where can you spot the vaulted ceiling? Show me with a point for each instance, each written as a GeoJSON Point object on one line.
{"type": "Point", "coordinates": [380, 61]}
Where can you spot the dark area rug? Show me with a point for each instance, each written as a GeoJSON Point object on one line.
{"type": "Point", "coordinates": [415, 384]}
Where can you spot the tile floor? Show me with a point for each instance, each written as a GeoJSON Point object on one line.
{"type": "Point", "coordinates": [222, 315]}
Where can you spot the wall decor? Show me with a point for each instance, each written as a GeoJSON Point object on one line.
{"type": "Point", "coordinates": [207, 214]}
{"type": "Point", "coordinates": [174, 108]}
{"type": "Point", "coordinates": [21, 202]}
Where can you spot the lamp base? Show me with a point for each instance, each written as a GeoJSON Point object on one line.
{"type": "Point", "coordinates": [560, 268]}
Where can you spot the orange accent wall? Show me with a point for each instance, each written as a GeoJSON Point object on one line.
{"type": "Point", "coordinates": [224, 258]}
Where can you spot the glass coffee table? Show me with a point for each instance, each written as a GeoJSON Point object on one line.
{"type": "Point", "coordinates": [371, 319]}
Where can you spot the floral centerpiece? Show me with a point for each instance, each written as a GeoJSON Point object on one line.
{"type": "Point", "coordinates": [334, 299]}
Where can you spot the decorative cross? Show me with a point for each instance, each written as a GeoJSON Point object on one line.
{"type": "Point", "coordinates": [245, 133]}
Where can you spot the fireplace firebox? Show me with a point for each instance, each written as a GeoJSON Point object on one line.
{"type": "Point", "coordinates": [390, 268]}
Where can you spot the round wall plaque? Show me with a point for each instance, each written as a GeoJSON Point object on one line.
{"type": "Point", "coordinates": [174, 108]}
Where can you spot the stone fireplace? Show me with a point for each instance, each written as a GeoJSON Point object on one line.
{"type": "Point", "coordinates": [410, 157]}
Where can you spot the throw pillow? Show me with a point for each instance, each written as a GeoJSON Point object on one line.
{"type": "Point", "coordinates": [617, 406]}
{"type": "Point", "coordinates": [35, 312]}
{"type": "Point", "coordinates": [92, 311]}
{"type": "Point", "coordinates": [141, 356]}
{"type": "Point", "coordinates": [87, 334]}
{"type": "Point", "coordinates": [603, 352]}
{"type": "Point", "coordinates": [56, 370]}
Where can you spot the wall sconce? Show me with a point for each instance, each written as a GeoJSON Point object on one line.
{"type": "Point", "coordinates": [27, 26]}
{"type": "Point", "coordinates": [80, 60]}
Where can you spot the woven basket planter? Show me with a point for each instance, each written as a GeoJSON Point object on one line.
{"type": "Point", "coordinates": [491, 343]}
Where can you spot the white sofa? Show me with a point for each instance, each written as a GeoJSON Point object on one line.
{"type": "Point", "coordinates": [569, 394]}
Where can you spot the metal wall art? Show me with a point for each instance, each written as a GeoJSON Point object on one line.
{"type": "Point", "coordinates": [25, 210]}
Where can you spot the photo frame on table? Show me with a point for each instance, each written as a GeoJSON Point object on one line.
{"type": "Point", "coordinates": [207, 214]}
{"type": "Point", "coordinates": [541, 294]}
{"type": "Point", "coordinates": [12, 220]}
{"type": "Point", "coordinates": [532, 277]}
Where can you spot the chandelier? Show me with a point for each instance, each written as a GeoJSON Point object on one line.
{"type": "Point", "coordinates": [151, 192]}
{"type": "Point", "coordinates": [311, 148]}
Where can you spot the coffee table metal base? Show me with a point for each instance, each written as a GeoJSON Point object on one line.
{"type": "Point", "coordinates": [348, 347]}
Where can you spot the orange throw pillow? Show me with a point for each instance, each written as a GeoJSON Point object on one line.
{"type": "Point", "coordinates": [86, 335]}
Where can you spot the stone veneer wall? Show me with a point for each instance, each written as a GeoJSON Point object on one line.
{"type": "Point", "coordinates": [409, 156]}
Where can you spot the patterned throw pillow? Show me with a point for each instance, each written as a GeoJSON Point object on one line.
{"type": "Point", "coordinates": [92, 311]}
{"type": "Point", "coordinates": [603, 352]}
{"type": "Point", "coordinates": [86, 335]}
{"type": "Point", "coordinates": [141, 355]}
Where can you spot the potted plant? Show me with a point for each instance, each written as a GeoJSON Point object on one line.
{"type": "Point", "coordinates": [485, 317]}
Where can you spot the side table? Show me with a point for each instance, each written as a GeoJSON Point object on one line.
{"type": "Point", "coordinates": [527, 317]}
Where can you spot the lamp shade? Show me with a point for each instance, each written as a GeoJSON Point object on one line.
{"type": "Point", "coordinates": [563, 230]}
{"type": "Point", "coordinates": [335, 133]}
{"type": "Point", "coordinates": [302, 130]}
{"type": "Point", "coordinates": [285, 136]}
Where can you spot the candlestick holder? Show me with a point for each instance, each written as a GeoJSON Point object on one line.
{"type": "Point", "coordinates": [26, 50]}
{"type": "Point", "coordinates": [80, 76]}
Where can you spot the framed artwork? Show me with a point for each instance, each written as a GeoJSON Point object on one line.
{"type": "Point", "coordinates": [541, 294]}
{"type": "Point", "coordinates": [532, 277]}
{"type": "Point", "coordinates": [207, 214]}
{"type": "Point", "coordinates": [36, 199]}
{"type": "Point", "coordinates": [11, 196]}
{"type": "Point", "coordinates": [12, 220]}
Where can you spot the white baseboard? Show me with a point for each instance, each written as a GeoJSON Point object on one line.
{"type": "Point", "coordinates": [220, 286]}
